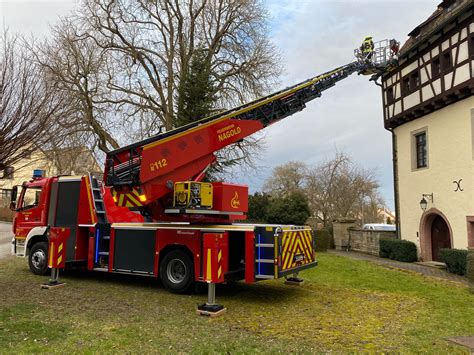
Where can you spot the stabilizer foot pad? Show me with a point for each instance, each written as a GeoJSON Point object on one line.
{"type": "Point", "coordinates": [212, 311]}
{"type": "Point", "coordinates": [51, 285]}
{"type": "Point", "coordinates": [294, 281]}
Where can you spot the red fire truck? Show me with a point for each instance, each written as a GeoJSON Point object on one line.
{"type": "Point", "coordinates": [153, 215]}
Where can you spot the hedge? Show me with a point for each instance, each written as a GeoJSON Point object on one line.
{"type": "Point", "coordinates": [470, 268]}
{"type": "Point", "coordinates": [455, 260]}
{"type": "Point", "coordinates": [322, 240]}
{"type": "Point", "coordinates": [396, 249]}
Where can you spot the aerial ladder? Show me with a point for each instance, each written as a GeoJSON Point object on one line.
{"type": "Point", "coordinates": [146, 175]}
{"type": "Point", "coordinates": [154, 215]}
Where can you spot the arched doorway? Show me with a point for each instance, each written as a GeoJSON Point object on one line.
{"type": "Point", "coordinates": [440, 237]}
{"type": "Point", "coordinates": [435, 234]}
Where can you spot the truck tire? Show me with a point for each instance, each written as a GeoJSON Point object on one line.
{"type": "Point", "coordinates": [38, 258]}
{"type": "Point", "coordinates": [177, 272]}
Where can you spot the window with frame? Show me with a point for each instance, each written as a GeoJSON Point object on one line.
{"type": "Point", "coordinates": [471, 45]}
{"type": "Point", "coordinates": [390, 96]}
{"type": "Point", "coordinates": [31, 197]}
{"type": "Point", "coordinates": [411, 82]}
{"type": "Point", "coordinates": [8, 173]}
{"type": "Point", "coordinates": [435, 67]}
{"type": "Point", "coordinates": [415, 79]}
{"type": "Point", "coordinates": [446, 61]}
{"type": "Point", "coordinates": [421, 153]}
{"type": "Point", "coordinates": [406, 85]}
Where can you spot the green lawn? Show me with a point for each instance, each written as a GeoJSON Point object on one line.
{"type": "Point", "coordinates": [345, 305]}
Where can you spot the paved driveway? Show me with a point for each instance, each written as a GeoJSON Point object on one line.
{"type": "Point", "coordinates": [5, 239]}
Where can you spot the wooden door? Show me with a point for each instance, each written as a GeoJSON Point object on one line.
{"type": "Point", "coordinates": [440, 237]}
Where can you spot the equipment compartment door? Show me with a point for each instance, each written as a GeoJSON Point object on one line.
{"type": "Point", "coordinates": [64, 210]}
{"type": "Point", "coordinates": [134, 250]}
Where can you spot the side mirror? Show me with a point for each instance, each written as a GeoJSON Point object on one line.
{"type": "Point", "coordinates": [13, 198]}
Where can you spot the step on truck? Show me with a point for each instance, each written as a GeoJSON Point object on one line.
{"type": "Point", "coordinates": [152, 214]}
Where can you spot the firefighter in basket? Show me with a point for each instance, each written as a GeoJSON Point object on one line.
{"type": "Point", "coordinates": [367, 48]}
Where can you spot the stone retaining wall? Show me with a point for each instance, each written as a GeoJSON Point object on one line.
{"type": "Point", "coordinates": [347, 236]}
{"type": "Point", "coordinates": [367, 241]}
{"type": "Point", "coordinates": [341, 232]}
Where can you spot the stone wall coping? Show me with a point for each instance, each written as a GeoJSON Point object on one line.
{"type": "Point", "coordinates": [359, 229]}
{"type": "Point", "coordinates": [343, 220]}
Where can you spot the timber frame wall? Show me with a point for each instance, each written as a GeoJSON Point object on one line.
{"type": "Point", "coordinates": [434, 72]}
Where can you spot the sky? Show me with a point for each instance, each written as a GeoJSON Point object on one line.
{"type": "Point", "coordinates": [313, 36]}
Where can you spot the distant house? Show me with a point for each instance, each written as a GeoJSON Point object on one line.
{"type": "Point", "coordinates": [429, 108]}
{"type": "Point", "coordinates": [387, 216]}
{"type": "Point", "coordinates": [68, 161]}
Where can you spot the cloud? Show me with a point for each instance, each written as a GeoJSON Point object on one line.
{"type": "Point", "coordinates": [317, 36]}
{"type": "Point", "coordinates": [33, 16]}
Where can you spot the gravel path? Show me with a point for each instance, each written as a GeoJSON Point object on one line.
{"type": "Point", "coordinates": [421, 269]}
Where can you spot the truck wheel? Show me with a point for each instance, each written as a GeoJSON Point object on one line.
{"type": "Point", "coordinates": [38, 258]}
{"type": "Point", "coordinates": [177, 272]}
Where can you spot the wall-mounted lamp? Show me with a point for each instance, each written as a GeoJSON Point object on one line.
{"type": "Point", "coordinates": [424, 203]}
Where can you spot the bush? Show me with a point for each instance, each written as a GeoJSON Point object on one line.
{"type": "Point", "coordinates": [455, 260]}
{"type": "Point", "coordinates": [396, 249]}
{"type": "Point", "coordinates": [470, 268]}
{"type": "Point", "coordinates": [292, 209]}
{"type": "Point", "coordinates": [322, 240]}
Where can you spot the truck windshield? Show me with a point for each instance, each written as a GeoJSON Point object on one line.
{"type": "Point", "coordinates": [31, 197]}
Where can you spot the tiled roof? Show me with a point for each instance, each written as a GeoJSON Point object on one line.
{"type": "Point", "coordinates": [445, 11]}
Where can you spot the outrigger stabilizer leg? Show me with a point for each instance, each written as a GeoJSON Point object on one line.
{"type": "Point", "coordinates": [294, 280]}
{"type": "Point", "coordinates": [53, 281]}
{"type": "Point", "coordinates": [211, 308]}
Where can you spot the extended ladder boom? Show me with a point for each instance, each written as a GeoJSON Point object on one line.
{"type": "Point", "coordinates": [123, 164]}
{"type": "Point", "coordinates": [148, 169]}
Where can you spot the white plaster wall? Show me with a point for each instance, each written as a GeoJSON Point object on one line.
{"type": "Point", "coordinates": [450, 157]}
{"type": "Point", "coordinates": [447, 81]}
{"type": "Point", "coordinates": [462, 74]}
{"type": "Point", "coordinates": [427, 92]}
{"type": "Point", "coordinates": [463, 52]}
{"type": "Point", "coordinates": [423, 73]}
{"type": "Point", "coordinates": [398, 107]}
{"type": "Point", "coordinates": [437, 86]}
{"type": "Point", "coordinates": [408, 69]}
{"type": "Point", "coordinates": [411, 100]}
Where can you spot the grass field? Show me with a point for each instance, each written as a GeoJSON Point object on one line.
{"type": "Point", "coordinates": [345, 305]}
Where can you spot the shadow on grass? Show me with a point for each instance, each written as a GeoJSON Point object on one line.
{"type": "Point", "coordinates": [274, 291]}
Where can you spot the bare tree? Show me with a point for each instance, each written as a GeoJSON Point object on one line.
{"type": "Point", "coordinates": [28, 106]}
{"type": "Point", "coordinates": [77, 67]}
{"type": "Point", "coordinates": [334, 188]}
{"type": "Point", "coordinates": [287, 179]}
{"type": "Point", "coordinates": [130, 64]}
{"type": "Point", "coordinates": [340, 188]}
{"type": "Point", "coordinates": [153, 42]}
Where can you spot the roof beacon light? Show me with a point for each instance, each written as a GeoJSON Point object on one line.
{"type": "Point", "coordinates": [38, 174]}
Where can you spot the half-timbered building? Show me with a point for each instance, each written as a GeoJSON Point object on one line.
{"type": "Point", "coordinates": [429, 108]}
